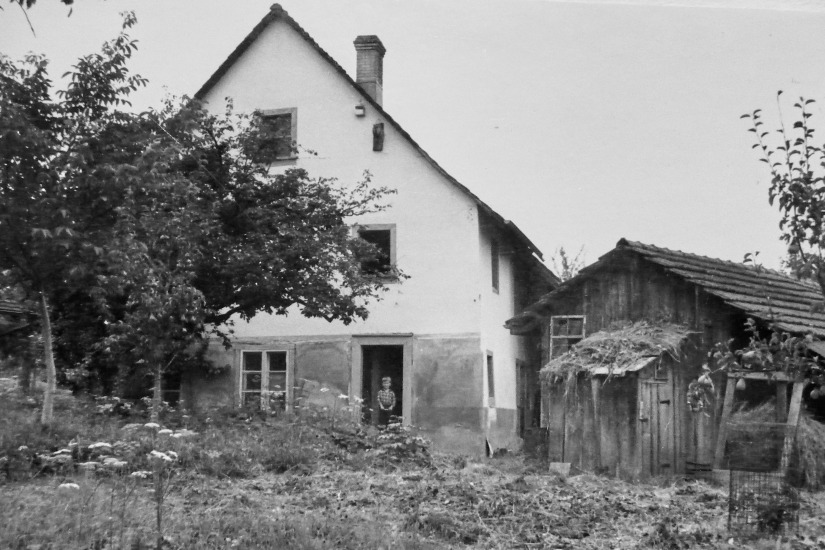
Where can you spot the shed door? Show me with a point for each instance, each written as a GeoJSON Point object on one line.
{"type": "Point", "coordinates": [656, 419]}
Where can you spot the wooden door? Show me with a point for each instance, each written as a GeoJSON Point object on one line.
{"type": "Point", "coordinates": [657, 430]}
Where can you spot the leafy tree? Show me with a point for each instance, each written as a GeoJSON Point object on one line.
{"type": "Point", "coordinates": [566, 265]}
{"type": "Point", "coordinates": [163, 225]}
{"type": "Point", "coordinates": [797, 165]}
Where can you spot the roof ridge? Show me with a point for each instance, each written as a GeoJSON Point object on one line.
{"type": "Point", "coordinates": [738, 265]}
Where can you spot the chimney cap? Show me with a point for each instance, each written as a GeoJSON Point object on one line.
{"type": "Point", "coordinates": [369, 42]}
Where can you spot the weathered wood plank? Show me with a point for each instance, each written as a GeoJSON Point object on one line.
{"type": "Point", "coordinates": [721, 439]}
{"type": "Point", "coordinates": [595, 386]}
{"type": "Point", "coordinates": [793, 421]}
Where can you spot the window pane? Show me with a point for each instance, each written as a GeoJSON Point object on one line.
{"type": "Point", "coordinates": [277, 381]}
{"type": "Point", "coordinates": [252, 360]}
{"type": "Point", "coordinates": [277, 361]}
{"type": "Point", "coordinates": [576, 326]}
{"type": "Point", "coordinates": [277, 387]}
{"type": "Point", "coordinates": [252, 381]}
{"type": "Point", "coordinates": [382, 239]}
{"type": "Point", "coordinates": [559, 327]}
{"type": "Point", "coordinates": [494, 253]}
{"type": "Point", "coordinates": [276, 138]}
{"type": "Point", "coordinates": [490, 385]}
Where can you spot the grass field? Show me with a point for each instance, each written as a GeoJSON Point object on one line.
{"type": "Point", "coordinates": [238, 480]}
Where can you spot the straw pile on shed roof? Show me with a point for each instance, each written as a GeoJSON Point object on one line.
{"type": "Point", "coordinates": [617, 349]}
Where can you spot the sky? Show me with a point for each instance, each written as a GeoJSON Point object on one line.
{"type": "Point", "coordinates": [583, 122]}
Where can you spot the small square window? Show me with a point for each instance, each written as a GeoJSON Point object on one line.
{"type": "Point", "coordinates": [565, 331]}
{"type": "Point", "coordinates": [383, 238]}
{"type": "Point", "coordinates": [278, 139]}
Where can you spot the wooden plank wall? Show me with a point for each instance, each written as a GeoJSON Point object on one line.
{"type": "Point", "coordinates": [631, 289]}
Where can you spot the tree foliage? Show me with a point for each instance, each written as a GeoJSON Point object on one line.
{"type": "Point", "coordinates": [797, 165]}
{"type": "Point", "coordinates": [161, 227]}
{"type": "Point", "coordinates": [566, 265]}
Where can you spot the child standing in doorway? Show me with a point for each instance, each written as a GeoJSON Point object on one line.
{"type": "Point", "coordinates": [386, 401]}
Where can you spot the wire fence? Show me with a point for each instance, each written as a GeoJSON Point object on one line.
{"type": "Point", "coordinates": [762, 497]}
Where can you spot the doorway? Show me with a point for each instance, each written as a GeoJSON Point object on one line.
{"type": "Point", "coordinates": [379, 362]}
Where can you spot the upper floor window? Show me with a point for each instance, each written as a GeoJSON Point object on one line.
{"type": "Point", "coordinates": [495, 252]}
{"type": "Point", "coordinates": [279, 135]}
{"type": "Point", "coordinates": [565, 330]}
{"type": "Point", "coordinates": [382, 236]}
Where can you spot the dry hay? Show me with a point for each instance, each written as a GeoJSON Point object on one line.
{"type": "Point", "coordinates": [617, 349]}
{"type": "Point", "coordinates": [808, 460]}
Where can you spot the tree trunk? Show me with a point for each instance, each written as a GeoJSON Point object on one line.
{"type": "Point", "coordinates": [47, 416]}
{"type": "Point", "coordinates": [157, 394]}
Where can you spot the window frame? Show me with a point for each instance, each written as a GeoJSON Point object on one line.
{"type": "Point", "coordinates": [289, 393]}
{"type": "Point", "coordinates": [489, 363]}
{"type": "Point", "coordinates": [495, 264]}
{"type": "Point", "coordinates": [293, 132]}
{"type": "Point", "coordinates": [391, 227]}
{"type": "Point", "coordinates": [567, 336]}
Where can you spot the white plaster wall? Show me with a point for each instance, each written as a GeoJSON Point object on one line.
{"type": "Point", "coordinates": [436, 224]}
{"type": "Point", "coordinates": [497, 307]}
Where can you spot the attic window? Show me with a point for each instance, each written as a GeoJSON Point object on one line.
{"type": "Point", "coordinates": [279, 135]}
{"type": "Point", "coordinates": [382, 236]}
{"type": "Point", "coordinates": [565, 331]}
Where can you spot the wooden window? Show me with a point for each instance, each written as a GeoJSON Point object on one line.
{"type": "Point", "coordinates": [279, 135]}
{"type": "Point", "coordinates": [565, 330]}
{"type": "Point", "coordinates": [382, 236]}
{"type": "Point", "coordinates": [495, 252]}
{"type": "Point", "coordinates": [491, 387]}
{"type": "Point", "coordinates": [266, 380]}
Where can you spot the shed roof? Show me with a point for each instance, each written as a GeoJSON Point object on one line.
{"type": "Point", "coordinates": [761, 293]}
{"type": "Point", "coordinates": [277, 12]}
{"type": "Point", "coordinates": [619, 351]}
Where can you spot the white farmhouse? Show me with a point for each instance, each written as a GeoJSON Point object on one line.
{"type": "Point", "coordinates": [457, 372]}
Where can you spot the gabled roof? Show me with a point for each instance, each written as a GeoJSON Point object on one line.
{"type": "Point", "coordinates": [761, 293]}
{"type": "Point", "coordinates": [276, 12]}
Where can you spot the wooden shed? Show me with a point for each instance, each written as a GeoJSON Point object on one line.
{"type": "Point", "coordinates": [613, 403]}
{"type": "Point", "coordinates": [639, 283]}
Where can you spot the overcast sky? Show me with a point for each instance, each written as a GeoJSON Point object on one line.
{"type": "Point", "coordinates": [582, 121]}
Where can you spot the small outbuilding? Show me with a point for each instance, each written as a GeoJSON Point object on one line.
{"type": "Point", "coordinates": [621, 341]}
{"type": "Point", "coordinates": [612, 402]}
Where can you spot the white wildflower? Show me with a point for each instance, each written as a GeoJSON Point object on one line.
{"type": "Point", "coordinates": [62, 452]}
{"type": "Point", "coordinates": [324, 390]}
{"type": "Point", "coordinates": [91, 465]}
{"type": "Point", "coordinates": [131, 426]}
{"type": "Point", "coordinates": [100, 445]}
{"type": "Point", "coordinates": [176, 435]}
{"type": "Point", "coordinates": [164, 431]}
{"type": "Point", "coordinates": [160, 456]}
{"type": "Point", "coordinates": [22, 448]}
{"type": "Point", "coordinates": [343, 396]}
{"type": "Point", "coordinates": [141, 474]}
{"type": "Point", "coordinates": [152, 425]}
{"type": "Point", "coordinates": [173, 454]}
{"type": "Point", "coordinates": [66, 486]}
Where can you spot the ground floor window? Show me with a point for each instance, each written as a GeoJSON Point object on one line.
{"type": "Point", "coordinates": [266, 380]}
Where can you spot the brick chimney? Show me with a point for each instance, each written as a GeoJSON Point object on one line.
{"type": "Point", "coordinates": [369, 73]}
